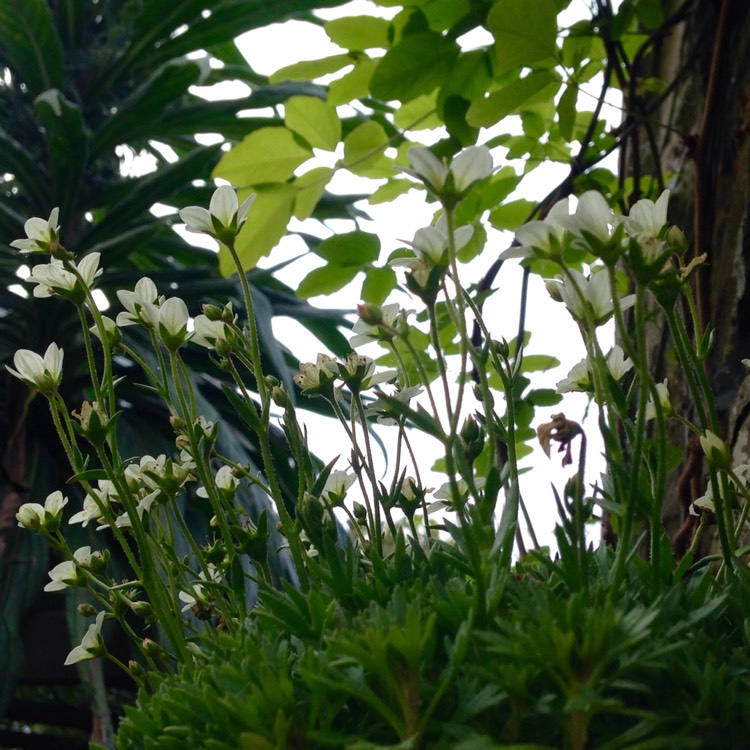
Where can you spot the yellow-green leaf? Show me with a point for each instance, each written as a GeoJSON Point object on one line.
{"type": "Point", "coordinates": [566, 111]}
{"type": "Point", "coordinates": [309, 70]}
{"type": "Point", "coordinates": [314, 120]}
{"type": "Point", "coordinates": [392, 189]}
{"type": "Point", "coordinates": [265, 155]}
{"type": "Point", "coordinates": [355, 248]}
{"type": "Point", "coordinates": [419, 114]}
{"type": "Point", "coordinates": [364, 151]}
{"type": "Point", "coordinates": [359, 33]}
{"type": "Point", "coordinates": [511, 215]}
{"type": "Point", "coordinates": [490, 110]}
{"type": "Point", "coordinates": [310, 189]}
{"type": "Point", "coordinates": [525, 32]}
{"type": "Point", "coordinates": [378, 284]}
{"type": "Point", "coordinates": [326, 280]}
{"type": "Point", "coordinates": [353, 85]}
{"type": "Point", "coordinates": [265, 226]}
{"type": "Point", "coordinates": [417, 65]}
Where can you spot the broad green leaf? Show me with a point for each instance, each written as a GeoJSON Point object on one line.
{"type": "Point", "coordinates": [314, 120]}
{"type": "Point", "coordinates": [443, 14]}
{"type": "Point", "coordinates": [353, 85]}
{"type": "Point", "coordinates": [487, 195]}
{"type": "Point", "coordinates": [309, 70]}
{"type": "Point", "coordinates": [359, 33]}
{"type": "Point", "coordinates": [378, 284]}
{"type": "Point", "coordinates": [265, 226]}
{"type": "Point", "coordinates": [392, 189]}
{"type": "Point", "coordinates": [167, 85]}
{"type": "Point", "coordinates": [455, 109]}
{"type": "Point", "coordinates": [418, 64]}
{"type": "Point", "coordinates": [534, 87]}
{"type": "Point", "coordinates": [355, 248]}
{"type": "Point", "coordinates": [364, 151]}
{"type": "Point", "coordinates": [326, 280]}
{"type": "Point", "coordinates": [538, 362]}
{"type": "Point", "coordinates": [67, 144]}
{"type": "Point", "coordinates": [418, 114]}
{"type": "Point", "coordinates": [566, 111]}
{"type": "Point", "coordinates": [511, 215]}
{"type": "Point", "coordinates": [525, 32]}
{"type": "Point", "coordinates": [311, 187]}
{"type": "Point", "coordinates": [266, 155]}
{"type": "Point", "coordinates": [30, 44]}
{"type": "Point", "coordinates": [474, 246]}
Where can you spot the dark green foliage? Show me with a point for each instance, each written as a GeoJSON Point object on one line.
{"type": "Point", "coordinates": [394, 657]}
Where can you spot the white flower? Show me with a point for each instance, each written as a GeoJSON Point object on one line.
{"type": "Point", "coordinates": [466, 168]}
{"type": "Point", "coordinates": [581, 294]}
{"type": "Point", "coordinates": [42, 373]}
{"type": "Point", "coordinates": [316, 378]}
{"type": "Point", "coordinates": [662, 392]}
{"type": "Point", "coordinates": [225, 481]}
{"type": "Point", "coordinates": [542, 239]}
{"type": "Point", "coordinates": [593, 217]}
{"type": "Point", "coordinates": [647, 217]}
{"type": "Point", "coordinates": [430, 244]}
{"type": "Point", "coordinates": [445, 492]}
{"type": "Point", "coordinates": [169, 319]}
{"type": "Point", "coordinates": [66, 573]}
{"type": "Point", "coordinates": [703, 503]}
{"type": "Point", "coordinates": [470, 166]}
{"type": "Point", "coordinates": [53, 279]}
{"type": "Point", "coordinates": [578, 379]}
{"type": "Point", "coordinates": [716, 450]}
{"type": "Point", "coordinates": [92, 644]}
{"type": "Point", "coordinates": [40, 233]}
{"type": "Point", "coordinates": [224, 216]}
{"type": "Point", "coordinates": [391, 316]}
{"type": "Point", "coordinates": [385, 411]}
{"type": "Point", "coordinates": [199, 590]}
{"type": "Point", "coordinates": [358, 372]}
{"type": "Point", "coordinates": [89, 512]}
{"type": "Point", "coordinates": [145, 293]}
{"type": "Point", "coordinates": [617, 364]}
{"type": "Point", "coordinates": [207, 332]}
{"type": "Point", "coordinates": [34, 515]}
{"type": "Point", "coordinates": [645, 222]}
{"type": "Point", "coordinates": [427, 166]}
{"type": "Point", "coordinates": [335, 488]}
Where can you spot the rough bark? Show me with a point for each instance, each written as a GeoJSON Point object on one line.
{"type": "Point", "coordinates": [703, 134]}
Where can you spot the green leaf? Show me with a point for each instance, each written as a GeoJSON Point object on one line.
{"type": "Point", "coordinates": [364, 151]}
{"type": "Point", "coordinates": [311, 187]}
{"type": "Point", "coordinates": [314, 120]}
{"type": "Point", "coordinates": [525, 33]}
{"type": "Point", "coordinates": [167, 85]}
{"type": "Point", "coordinates": [418, 64]}
{"type": "Point", "coordinates": [30, 44]}
{"type": "Point", "coordinates": [309, 70]}
{"type": "Point", "coordinates": [391, 190]}
{"type": "Point", "coordinates": [566, 111]}
{"type": "Point", "coordinates": [359, 33]}
{"type": "Point", "coordinates": [534, 87]}
{"type": "Point", "coordinates": [511, 215]}
{"type": "Point", "coordinates": [326, 280]}
{"type": "Point", "coordinates": [266, 155]}
{"type": "Point", "coordinates": [378, 284]}
{"type": "Point", "coordinates": [474, 246]}
{"type": "Point", "coordinates": [265, 226]}
{"type": "Point", "coordinates": [351, 249]}
{"type": "Point", "coordinates": [67, 143]}
{"type": "Point", "coordinates": [544, 397]}
{"type": "Point", "coordinates": [418, 114]}
{"type": "Point", "coordinates": [538, 362]}
{"type": "Point", "coordinates": [353, 85]}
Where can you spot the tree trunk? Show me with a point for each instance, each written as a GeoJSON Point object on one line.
{"type": "Point", "coordinates": [702, 130]}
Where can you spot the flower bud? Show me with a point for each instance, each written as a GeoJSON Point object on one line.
{"type": "Point", "coordinates": [716, 450]}
{"type": "Point", "coordinates": [86, 610]}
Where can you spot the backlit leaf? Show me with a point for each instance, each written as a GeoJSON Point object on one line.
{"type": "Point", "coordinates": [351, 249]}
{"type": "Point", "coordinates": [265, 155]}
{"type": "Point", "coordinates": [314, 120]}
{"type": "Point", "coordinates": [359, 32]}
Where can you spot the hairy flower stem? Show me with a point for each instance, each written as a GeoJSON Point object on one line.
{"type": "Point", "coordinates": [287, 524]}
